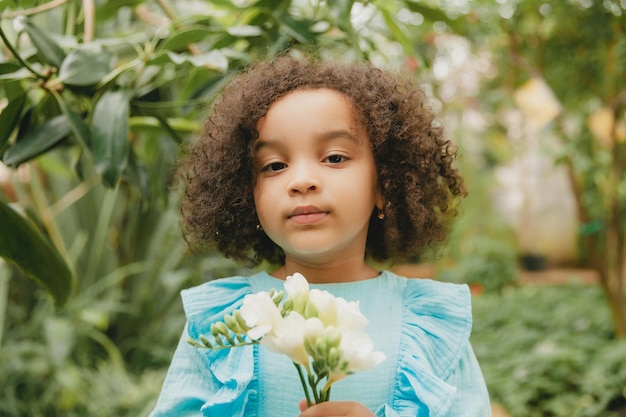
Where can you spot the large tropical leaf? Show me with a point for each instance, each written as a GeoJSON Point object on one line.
{"type": "Point", "coordinates": [36, 141]}
{"type": "Point", "coordinates": [86, 65]}
{"type": "Point", "coordinates": [76, 122]}
{"type": "Point", "coordinates": [110, 130]}
{"type": "Point", "coordinates": [49, 49]}
{"type": "Point", "coordinates": [181, 39]}
{"type": "Point", "coordinates": [213, 59]}
{"type": "Point", "coordinates": [9, 118]}
{"type": "Point", "coordinates": [22, 245]}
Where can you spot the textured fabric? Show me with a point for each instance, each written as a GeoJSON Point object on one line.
{"type": "Point", "coordinates": [423, 326]}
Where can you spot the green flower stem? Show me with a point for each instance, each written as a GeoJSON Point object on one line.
{"type": "Point", "coordinates": [19, 58]}
{"type": "Point", "coordinates": [304, 384]}
{"type": "Point", "coordinates": [325, 394]}
{"type": "Point", "coordinates": [316, 394]}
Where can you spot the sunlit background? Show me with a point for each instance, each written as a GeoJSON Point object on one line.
{"type": "Point", "coordinates": [96, 97]}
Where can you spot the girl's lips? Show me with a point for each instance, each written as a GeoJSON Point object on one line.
{"type": "Point", "coordinates": [308, 218]}
{"type": "Point", "coordinates": [307, 215]}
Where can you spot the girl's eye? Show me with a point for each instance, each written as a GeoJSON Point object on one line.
{"type": "Point", "coordinates": [336, 159]}
{"type": "Point", "coordinates": [274, 167]}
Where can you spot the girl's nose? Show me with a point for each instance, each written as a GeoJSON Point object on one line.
{"type": "Point", "coordinates": [304, 179]}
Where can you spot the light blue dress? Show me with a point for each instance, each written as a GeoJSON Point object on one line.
{"type": "Point", "coordinates": [423, 326]}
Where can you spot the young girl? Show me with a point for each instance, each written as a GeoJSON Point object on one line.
{"type": "Point", "coordinates": [317, 168]}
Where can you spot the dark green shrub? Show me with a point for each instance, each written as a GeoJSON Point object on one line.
{"type": "Point", "coordinates": [550, 352]}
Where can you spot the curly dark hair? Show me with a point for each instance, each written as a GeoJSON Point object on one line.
{"type": "Point", "coordinates": [413, 160]}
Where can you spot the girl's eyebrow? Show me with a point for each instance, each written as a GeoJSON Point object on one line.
{"type": "Point", "coordinates": [340, 133]}
{"type": "Point", "coordinates": [326, 136]}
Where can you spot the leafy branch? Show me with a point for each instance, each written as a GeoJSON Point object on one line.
{"type": "Point", "coordinates": [33, 10]}
{"type": "Point", "coordinates": [17, 56]}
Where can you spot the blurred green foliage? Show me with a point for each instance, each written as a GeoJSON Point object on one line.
{"type": "Point", "coordinates": [550, 351]}
{"type": "Point", "coordinates": [93, 109]}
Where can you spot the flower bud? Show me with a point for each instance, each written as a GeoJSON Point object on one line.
{"type": "Point", "coordinates": [232, 324]}
{"type": "Point", "coordinates": [219, 328]}
{"type": "Point", "coordinates": [311, 350]}
{"type": "Point", "coordinates": [240, 321]}
{"type": "Point", "coordinates": [309, 310]}
{"type": "Point", "coordinates": [287, 306]}
{"type": "Point", "coordinates": [321, 347]}
{"type": "Point", "coordinates": [194, 343]}
{"type": "Point", "coordinates": [333, 336]}
{"type": "Point", "coordinates": [334, 356]}
{"type": "Point", "coordinates": [205, 341]}
{"type": "Point", "coordinates": [278, 297]}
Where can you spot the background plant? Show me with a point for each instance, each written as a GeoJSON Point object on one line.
{"type": "Point", "coordinates": [558, 357]}
{"type": "Point", "coordinates": [96, 99]}
{"type": "Point", "coordinates": [93, 111]}
{"type": "Point", "coordinates": [579, 49]}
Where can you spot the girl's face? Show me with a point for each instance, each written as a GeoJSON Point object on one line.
{"type": "Point", "coordinates": [316, 179]}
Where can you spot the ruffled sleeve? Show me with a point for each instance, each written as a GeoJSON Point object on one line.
{"type": "Point", "coordinates": [210, 383]}
{"type": "Point", "coordinates": [435, 335]}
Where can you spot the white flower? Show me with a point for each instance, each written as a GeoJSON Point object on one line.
{"type": "Point", "coordinates": [313, 329]}
{"type": "Point", "coordinates": [325, 306]}
{"type": "Point", "coordinates": [296, 285]}
{"type": "Point", "coordinates": [356, 349]}
{"type": "Point", "coordinates": [349, 315]}
{"type": "Point", "coordinates": [260, 314]}
{"type": "Point", "coordinates": [319, 332]}
{"type": "Point", "coordinates": [297, 289]}
{"type": "Point", "coordinates": [336, 311]}
{"type": "Point", "coordinates": [287, 338]}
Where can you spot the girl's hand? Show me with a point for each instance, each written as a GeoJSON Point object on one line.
{"type": "Point", "coordinates": [335, 409]}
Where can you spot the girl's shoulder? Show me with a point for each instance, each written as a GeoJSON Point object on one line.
{"type": "Point", "coordinates": [435, 329]}
{"type": "Point", "coordinates": [208, 302]}
{"type": "Point", "coordinates": [438, 315]}
{"type": "Point", "coordinates": [429, 295]}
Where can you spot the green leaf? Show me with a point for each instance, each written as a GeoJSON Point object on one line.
{"type": "Point", "coordinates": [297, 29]}
{"type": "Point", "coordinates": [77, 124]}
{"type": "Point", "coordinates": [49, 50]}
{"type": "Point", "coordinates": [110, 9]}
{"type": "Point", "coordinates": [169, 129]}
{"type": "Point", "coordinates": [213, 59]}
{"type": "Point", "coordinates": [7, 67]}
{"type": "Point", "coordinates": [154, 125]}
{"type": "Point", "coordinates": [137, 174]}
{"type": "Point", "coordinates": [20, 74]}
{"type": "Point", "coordinates": [10, 117]}
{"type": "Point", "coordinates": [432, 14]}
{"type": "Point", "coordinates": [183, 38]}
{"type": "Point", "coordinates": [24, 246]}
{"type": "Point", "coordinates": [86, 65]}
{"type": "Point", "coordinates": [397, 33]}
{"type": "Point", "coordinates": [37, 141]}
{"type": "Point", "coordinates": [245, 31]}
{"type": "Point", "coordinates": [341, 10]}
{"type": "Point", "coordinates": [110, 135]}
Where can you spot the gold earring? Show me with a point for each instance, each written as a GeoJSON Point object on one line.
{"type": "Point", "coordinates": [259, 228]}
{"type": "Point", "coordinates": [381, 214]}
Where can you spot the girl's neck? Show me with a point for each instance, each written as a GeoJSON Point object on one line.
{"type": "Point", "coordinates": [327, 274]}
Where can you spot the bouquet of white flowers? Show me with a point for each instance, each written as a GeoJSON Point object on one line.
{"type": "Point", "coordinates": [322, 334]}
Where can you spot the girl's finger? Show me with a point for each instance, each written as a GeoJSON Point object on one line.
{"type": "Point", "coordinates": [303, 405]}
{"type": "Point", "coordinates": [337, 409]}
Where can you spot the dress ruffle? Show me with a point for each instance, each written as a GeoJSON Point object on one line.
{"type": "Point", "coordinates": [232, 368]}
{"type": "Point", "coordinates": [435, 333]}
